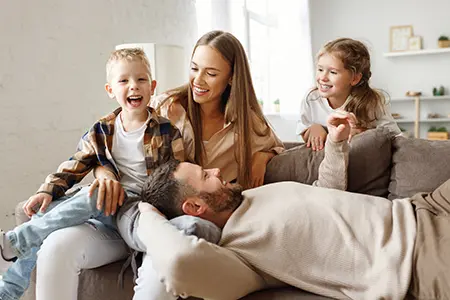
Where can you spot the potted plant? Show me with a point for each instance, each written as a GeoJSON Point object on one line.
{"type": "Point", "coordinates": [435, 133]}
{"type": "Point", "coordinates": [443, 41]}
{"type": "Point", "coordinates": [276, 104]}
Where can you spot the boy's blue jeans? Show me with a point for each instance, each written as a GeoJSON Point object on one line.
{"type": "Point", "coordinates": [65, 212]}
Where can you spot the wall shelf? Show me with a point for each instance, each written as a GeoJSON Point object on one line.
{"type": "Point", "coordinates": [404, 120]}
{"type": "Point", "coordinates": [435, 120]}
{"type": "Point", "coordinates": [417, 103]}
{"type": "Point", "coordinates": [417, 52]}
{"type": "Point", "coordinates": [445, 97]}
{"type": "Point", "coordinates": [401, 99]}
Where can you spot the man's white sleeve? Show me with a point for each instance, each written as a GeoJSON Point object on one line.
{"type": "Point", "coordinates": [190, 266]}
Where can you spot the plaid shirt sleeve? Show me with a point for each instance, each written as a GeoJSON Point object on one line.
{"type": "Point", "coordinates": [177, 145]}
{"type": "Point", "coordinates": [74, 170]}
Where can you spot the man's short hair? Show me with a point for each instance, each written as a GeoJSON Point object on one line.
{"type": "Point", "coordinates": [163, 191]}
{"type": "Point", "coordinates": [128, 54]}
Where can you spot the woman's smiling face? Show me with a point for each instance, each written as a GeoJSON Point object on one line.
{"type": "Point", "coordinates": [209, 75]}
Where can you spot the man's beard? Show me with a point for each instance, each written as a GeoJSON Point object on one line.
{"type": "Point", "coordinates": [225, 199]}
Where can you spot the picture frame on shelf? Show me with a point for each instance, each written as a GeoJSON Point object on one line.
{"type": "Point", "coordinates": [399, 37]}
{"type": "Point", "coordinates": [415, 43]}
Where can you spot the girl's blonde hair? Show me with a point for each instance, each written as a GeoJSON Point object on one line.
{"type": "Point", "coordinates": [239, 103]}
{"type": "Point", "coordinates": [365, 102]}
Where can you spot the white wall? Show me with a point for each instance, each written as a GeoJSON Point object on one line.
{"type": "Point", "coordinates": [369, 21]}
{"type": "Point", "coordinates": [52, 58]}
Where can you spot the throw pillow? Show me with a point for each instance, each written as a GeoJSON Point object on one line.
{"type": "Point", "coordinates": [368, 170]}
{"type": "Point", "coordinates": [418, 166]}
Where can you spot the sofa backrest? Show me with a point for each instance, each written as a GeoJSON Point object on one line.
{"type": "Point", "coordinates": [418, 166]}
{"type": "Point", "coordinates": [369, 164]}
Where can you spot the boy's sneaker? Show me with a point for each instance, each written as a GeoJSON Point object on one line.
{"type": "Point", "coordinates": [7, 253]}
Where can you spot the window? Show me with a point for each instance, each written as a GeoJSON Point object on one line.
{"type": "Point", "coordinates": [276, 36]}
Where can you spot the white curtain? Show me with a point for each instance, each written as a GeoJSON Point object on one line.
{"type": "Point", "coordinates": [276, 35]}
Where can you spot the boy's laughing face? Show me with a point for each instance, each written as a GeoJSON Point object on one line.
{"type": "Point", "coordinates": [131, 85]}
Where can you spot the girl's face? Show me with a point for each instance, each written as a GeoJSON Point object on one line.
{"type": "Point", "coordinates": [333, 80]}
{"type": "Point", "coordinates": [209, 75]}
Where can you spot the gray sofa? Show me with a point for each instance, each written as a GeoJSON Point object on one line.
{"type": "Point", "coordinates": [378, 165]}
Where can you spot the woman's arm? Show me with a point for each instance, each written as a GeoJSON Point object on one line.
{"type": "Point", "coordinates": [259, 163]}
{"type": "Point", "coordinates": [110, 192]}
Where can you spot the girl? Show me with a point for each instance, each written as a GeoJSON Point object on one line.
{"type": "Point", "coordinates": [342, 79]}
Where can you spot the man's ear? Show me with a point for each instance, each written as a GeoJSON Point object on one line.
{"type": "Point", "coordinates": [109, 91]}
{"type": "Point", "coordinates": [153, 87]}
{"type": "Point", "coordinates": [356, 79]}
{"type": "Point", "coordinates": [194, 206]}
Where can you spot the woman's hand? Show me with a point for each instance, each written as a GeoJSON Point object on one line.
{"type": "Point", "coordinates": [110, 191]}
{"type": "Point", "coordinates": [110, 195]}
{"type": "Point", "coordinates": [315, 137]}
{"type": "Point", "coordinates": [259, 163]}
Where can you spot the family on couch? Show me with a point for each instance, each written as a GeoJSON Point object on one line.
{"type": "Point", "coordinates": [222, 127]}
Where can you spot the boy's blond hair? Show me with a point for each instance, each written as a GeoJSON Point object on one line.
{"type": "Point", "coordinates": [128, 54]}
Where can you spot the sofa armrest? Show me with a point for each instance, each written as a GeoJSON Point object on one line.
{"type": "Point", "coordinates": [21, 217]}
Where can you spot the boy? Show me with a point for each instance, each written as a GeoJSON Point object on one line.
{"type": "Point", "coordinates": [130, 142]}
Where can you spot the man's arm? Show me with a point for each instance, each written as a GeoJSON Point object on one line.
{"type": "Point", "coordinates": [333, 171]}
{"type": "Point", "coordinates": [190, 266]}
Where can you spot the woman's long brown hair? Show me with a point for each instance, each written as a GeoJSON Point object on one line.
{"type": "Point", "coordinates": [238, 102]}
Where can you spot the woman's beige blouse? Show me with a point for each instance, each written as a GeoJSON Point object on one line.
{"type": "Point", "coordinates": [220, 147]}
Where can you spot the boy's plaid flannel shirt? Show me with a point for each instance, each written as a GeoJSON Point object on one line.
{"type": "Point", "coordinates": [162, 142]}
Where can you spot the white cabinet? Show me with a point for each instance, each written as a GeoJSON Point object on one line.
{"type": "Point", "coordinates": [167, 63]}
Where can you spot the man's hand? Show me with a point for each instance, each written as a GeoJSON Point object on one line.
{"type": "Point", "coordinates": [41, 200]}
{"type": "Point", "coordinates": [110, 195]}
{"type": "Point", "coordinates": [147, 207]}
{"type": "Point", "coordinates": [315, 137]}
{"type": "Point", "coordinates": [340, 125]}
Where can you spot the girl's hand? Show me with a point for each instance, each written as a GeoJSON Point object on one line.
{"type": "Point", "coordinates": [259, 163]}
{"type": "Point", "coordinates": [316, 137]}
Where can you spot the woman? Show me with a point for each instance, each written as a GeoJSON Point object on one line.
{"type": "Point", "coordinates": [218, 114]}
{"type": "Point", "coordinates": [222, 126]}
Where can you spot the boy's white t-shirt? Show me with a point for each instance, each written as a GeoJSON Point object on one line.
{"type": "Point", "coordinates": [128, 154]}
{"type": "Point", "coordinates": [315, 110]}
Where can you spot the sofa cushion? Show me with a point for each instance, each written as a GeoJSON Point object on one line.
{"type": "Point", "coordinates": [418, 166]}
{"type": "Point", "coordinates": [369, 163]}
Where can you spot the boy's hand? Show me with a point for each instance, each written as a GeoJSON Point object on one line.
{"type": "Point", "coordinates": [340, 125]}
{"type": "Point", "coordinates": [315, 137]}
{"type": "Point", "coordinates": [41, 200]}
{"type": "Point", "coordinates": [110, 195]}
